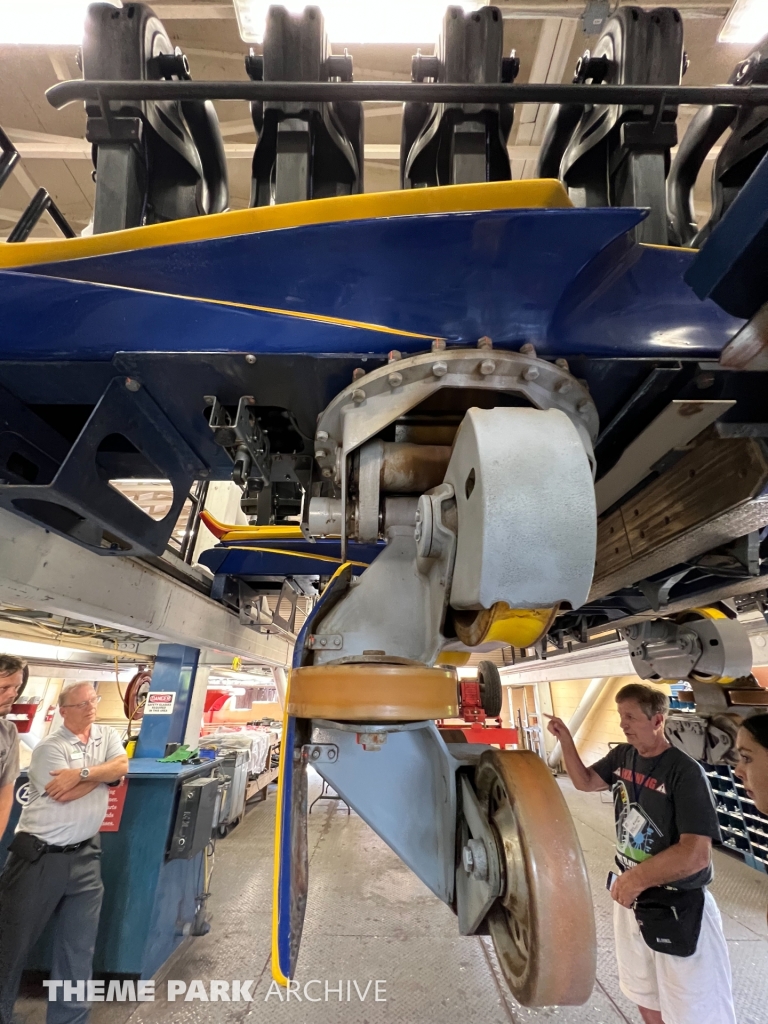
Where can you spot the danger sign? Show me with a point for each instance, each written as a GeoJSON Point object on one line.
{"type": "Point", "coordinates": [159, 703]}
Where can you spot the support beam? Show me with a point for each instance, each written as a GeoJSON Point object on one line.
{"type": "Point", "coordinates": [587, 702]}
{"type": "Point", "coordinates": [56, 147]}
{"type": "Point", "coordinates": [608, 660]}
{"type": "Point", "coordinates": [43, 571]}
{"type": "Point", "coordinates": [196, 707]}
{"type": "Point", "coordinates": [194, 12]}
{"type": "Point", "coordinates": [281, 685]}
{"type": "Point", "coordinates": [173, 680]}
{"type": "Point", "coordinates": [549, 65]}
{"type": "Point", "coordinates": [692, 9]}
{"type": "Point", "coordinates": [25, 181]}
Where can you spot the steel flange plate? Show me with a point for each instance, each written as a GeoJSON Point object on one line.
{"type": "Point", "coordinates": [377, 399]}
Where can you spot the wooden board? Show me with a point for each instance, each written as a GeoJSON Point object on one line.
{"type": "Point", "coordinates": [710, 482]}
{"type": "Point", "coordinates": [613, 550]}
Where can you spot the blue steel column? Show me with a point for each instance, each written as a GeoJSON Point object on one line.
{"type": "Point", "coordinates": [174, 672]}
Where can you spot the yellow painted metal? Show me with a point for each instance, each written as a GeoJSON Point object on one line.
{"type": "Point", "coordinates": [233, 531]}
{"type": "Point", "coordinates": [301, 554]}
{"type": "Point", "coordinates": [519, 627]}
{"type": "Point", "coordinates": [707, 613]}
{"type": "Point", "coordinates": [263, 533]}
{"type": "Point", "coordinates": [672, 248]}
{"type": "Point", "coordinates": [498, 195]}
{"type": "Point", "coordinates": [285, 765]}
{"type": "Point", "coordinates": [277, 311]}
{"type": "Point", "coordinates": [373, 692]}
{"type": "Point", "coordinates": [720, 680]}
{"type": "Point", "coordinates": [455, 658]}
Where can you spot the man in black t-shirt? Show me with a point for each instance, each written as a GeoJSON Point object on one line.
{"type": "Point", "coordinates": [666, 821]}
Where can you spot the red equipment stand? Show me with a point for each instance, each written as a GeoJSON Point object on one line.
{"type": "Point", "coordinates": [479, 732]}
{"type": "Point", "coordinates": [479, 729]}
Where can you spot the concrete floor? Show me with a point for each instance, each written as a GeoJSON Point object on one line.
{"type": "Point", "coordinates": [368, 919]}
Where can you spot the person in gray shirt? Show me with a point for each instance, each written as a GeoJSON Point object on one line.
{"type": "Point", "coordinates": [54, 866]}
{"type": "Point", "coordinates": [11, 682]}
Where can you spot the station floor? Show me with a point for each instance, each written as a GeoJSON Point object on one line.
{"type": "Point", "coordinates": [369, 919]}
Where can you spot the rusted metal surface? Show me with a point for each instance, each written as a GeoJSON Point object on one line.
{"type": "Point", "coordinates": [413, 468]}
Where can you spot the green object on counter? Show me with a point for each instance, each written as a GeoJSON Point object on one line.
{"type": "Point", "coordinates": [181, 755]}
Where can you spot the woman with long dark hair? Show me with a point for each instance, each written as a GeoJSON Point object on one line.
{"type": "Point", "coordinates": [752, 769]}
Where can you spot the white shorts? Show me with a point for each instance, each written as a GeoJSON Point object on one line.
{"type": "Point", "coordinates": [686, 989]}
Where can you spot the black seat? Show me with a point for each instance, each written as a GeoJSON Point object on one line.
{"type": "Point", "coordinates": [155, 161]}
{"type": "Point", "coordinates": [304, 150]}
{"type": "Point", "coordinates": [455, 143]}
{"type": "Point", "coordinates": [740, 155]}
{"type": "Point", "coordinates": [609, 155]}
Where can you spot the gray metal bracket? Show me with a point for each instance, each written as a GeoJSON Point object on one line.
{"type": "Point", "coordinates": [320, 753]}
{"type": "Point", "coordinates": [284, 615]}
{"type": "Point", "coordinates": [254, 608]}
{"type": "Point", "coordinates": [405, 789]}
{"type": "Point", "coordinates": [325, 641]}
{"type": "Point", "coordinates": [243, 440]}
{"type": "Point", "coordinates": [410, 625]}
{"type": "Point", "coordinates": [478, 876]}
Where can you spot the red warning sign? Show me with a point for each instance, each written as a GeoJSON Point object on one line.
{"type": "Point", "coordinates": [160, 703]}
{"type": "Point", "coordinates": [115, 806]}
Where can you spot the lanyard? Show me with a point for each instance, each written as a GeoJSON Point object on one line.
{"type": "Point", "coordinates": [654, 766]}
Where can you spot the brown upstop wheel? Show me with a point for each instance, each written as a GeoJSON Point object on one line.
{"type": "Point", "coordinates": [543, 924]}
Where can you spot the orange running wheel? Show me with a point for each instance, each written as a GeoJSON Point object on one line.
{"type": "Point", "coordinates": [543, 924]}
{"type": "Point", "coordinates": [373, 692]}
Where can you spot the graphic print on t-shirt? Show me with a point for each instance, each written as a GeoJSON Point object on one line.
{"type": "Point", "coordinates": [670, 795]}
{"type": "Point", "coordinates": [636, 833]}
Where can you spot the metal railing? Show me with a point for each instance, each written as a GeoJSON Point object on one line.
{"type": "Point", "coordinates": [657, 96]}
{"type": "Point", "coordinates": [41, 202]}
{"type": "Point", "coordinates": [186, 546]}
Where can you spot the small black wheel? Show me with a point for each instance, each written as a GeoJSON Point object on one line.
{"type": "Point", "coordinates": [490, 688]}
{"type": "Point", "coordinates": [222, 830]}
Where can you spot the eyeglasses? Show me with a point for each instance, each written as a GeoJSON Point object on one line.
{"type": "Point", "coordinates": [91, 702]}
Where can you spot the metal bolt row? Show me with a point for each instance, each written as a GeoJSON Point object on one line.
{"type": "Point", "coordinates": [439, 369]}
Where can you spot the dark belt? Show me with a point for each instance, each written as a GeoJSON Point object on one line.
{"type": "Point", "coordinates": [66, 849]}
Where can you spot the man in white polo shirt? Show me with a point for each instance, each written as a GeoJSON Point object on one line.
{"type": "Point", "coordinates": [53, 868]}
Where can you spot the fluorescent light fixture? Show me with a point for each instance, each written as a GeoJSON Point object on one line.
{"type": "Point", "coordinates": [357, 21]}
{"type": "Point", "coordinates": [43, 22]}
{"type": "Point", "coordinates": [50, 652]}
{"type": "Point", "coordinates": [747, 22]}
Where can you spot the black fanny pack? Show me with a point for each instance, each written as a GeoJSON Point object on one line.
{"type": "Point", "coordinates": [31, 849]}
{"type": "Point", "coordinates": [670, 919]}
{"type": "Point", "coordinates": [28, 847]}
